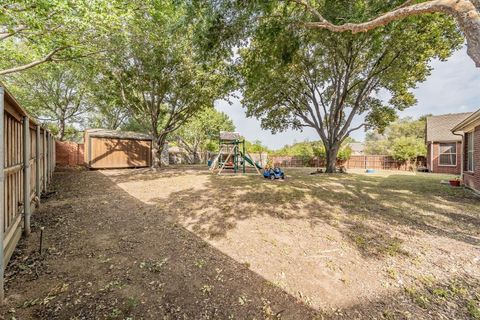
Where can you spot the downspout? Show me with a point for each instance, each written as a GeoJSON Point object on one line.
{"type": "Point", "coordinates": [431, 156]}
{"type": "Point", "coordinates": [462, 151]}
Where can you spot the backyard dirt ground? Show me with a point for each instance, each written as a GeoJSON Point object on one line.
{"type": "Point", "coordinates": [184, 244]}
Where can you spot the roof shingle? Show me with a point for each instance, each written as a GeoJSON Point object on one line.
{"type": "Point", "coordinates": [229, 136]}
{"type": "Point", "coordinates": [439, 127]}
{"type": "Point", "coordinates": [105, 133]}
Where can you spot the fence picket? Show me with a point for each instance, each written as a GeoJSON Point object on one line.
{"type": "Point", "coordinates": [377, 162]}
{"type": "Point", "coordinates": [23, 173]}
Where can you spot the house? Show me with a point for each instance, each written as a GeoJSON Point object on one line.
{"type": "Point", "coordinates": [469, 128]}
{"type": "Point", "coordinates": [444, 148]}
{"type": "Point", "coordinates": [358, 148]}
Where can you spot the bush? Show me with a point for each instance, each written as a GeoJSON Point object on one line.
{"type": "Point", "coordinates": [307, 151]}
{"type": "Point", "coordinates": [408, 149]}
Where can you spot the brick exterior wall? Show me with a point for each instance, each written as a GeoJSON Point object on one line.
{"type": "Point", "coordinates": [470, 179]}
{"type": "Point", "coordinates": [69, 154]}
{"type": "Point", "coordinates": [437, 168]}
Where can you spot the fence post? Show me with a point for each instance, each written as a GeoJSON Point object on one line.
{"type": "Point", "coordinates": [48, 158]}
{"type": "Point", "coordinates": [45, 171]}
{"type": "Point", "coordinates": [54, 155]}
{"type": "Point", "coordinates": [26, 175]}
{"type": "Point", "coordinates": [51, 158]}
{"type": "Point", "coordinates": [2, 194]}
{"type": "Point", "coordinates": [38, 188]}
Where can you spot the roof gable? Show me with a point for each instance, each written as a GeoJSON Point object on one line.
{"type": "Point", "coordinates": [468, 123]}
{"type": "Point", "coordinates": [439, 127]}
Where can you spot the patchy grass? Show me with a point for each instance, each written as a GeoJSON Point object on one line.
{"type": "Point", "coordinates": [182, 243]}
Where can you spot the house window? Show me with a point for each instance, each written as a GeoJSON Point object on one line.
{"type": "Point", "coordinates": [469, 138]}
{"type": "Point", "coordinates": [448, 154]}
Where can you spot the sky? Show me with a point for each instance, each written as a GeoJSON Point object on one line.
{"type": "Point", "coordinates": [452, 87]}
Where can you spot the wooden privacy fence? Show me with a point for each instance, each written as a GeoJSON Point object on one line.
{"type": "Point", "coordinates": [378, 162]}
{"type": "Point", "coordinates": [381, 162]}
{"type": "Point", "coordinates": [27, 161]}
{"type": "Point", "coordinates": [69, 154]}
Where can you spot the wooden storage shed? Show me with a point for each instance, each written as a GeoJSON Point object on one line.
{"type": "Point", "coordinates": [108, 149]}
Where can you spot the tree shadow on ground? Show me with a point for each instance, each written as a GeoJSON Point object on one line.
{"type": "Point", "coordinates": [112, 256]}
{"type": "Point", "coordinates": [368, 211]}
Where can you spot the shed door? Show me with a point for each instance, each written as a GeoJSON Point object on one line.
{"type": "Point", "coordinates": [119, 153]}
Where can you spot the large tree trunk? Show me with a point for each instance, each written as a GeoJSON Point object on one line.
{"type": "Point", "coordinates": [61, 133]}
{"type": "Point", "coordinates": [155, 155]}
{"type": "Point", "coordinates": [158, 145]}
{"type": "Point", "coordinates": [331, 158]}
{"type": "Point", "coordinates": [196, 157]}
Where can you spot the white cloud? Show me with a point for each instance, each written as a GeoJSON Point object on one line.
{"type": "Point", "coordinates": [453, 86]}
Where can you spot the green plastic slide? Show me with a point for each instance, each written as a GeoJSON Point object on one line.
{"type": "Point", "coordinates": [252, 163]}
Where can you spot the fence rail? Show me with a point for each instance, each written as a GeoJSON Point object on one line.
{"type": "Point", "coordinates": [27, 161]}
{"type": "Point", "coordinates": [378, 162]}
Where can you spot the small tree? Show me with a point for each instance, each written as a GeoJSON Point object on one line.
{"type": "Point", "coordinates": [202, 131]}
{"type": "Point", "coordinates": [408, 149]}
{"type": "Point", "coordinates": [54, 94]}
{"type": "Point", "coordinates": [255, 146]}
{"type": "Point", "coordinates": [382, 142]}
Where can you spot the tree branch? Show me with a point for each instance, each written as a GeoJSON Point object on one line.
{"type": "Point", "coordinates": [311, 9]}
{"type": "Point", "coordinates": [47, 58]}
{"type": "Point", "coordinates": [353, 129]}
{"type": "Point", "coordinates": [465, 13]}
{"type": "Point", "coordinates": [5, 35]}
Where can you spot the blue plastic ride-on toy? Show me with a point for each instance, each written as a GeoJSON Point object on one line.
{"type": "Point", "coordinates": [272, 174]}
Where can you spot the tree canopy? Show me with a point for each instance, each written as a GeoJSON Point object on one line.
{"type": "Point", "coordinates": [155, 69]}
{"type": "Point", "coordinates": [57, 95]}
{"type": "Point", "coordinates": [155, 65]}
{"type": "Point", "coordinates": [294, 77]}
{"type": "Point", "coordinates": [404, 140]}
{"type": "Point", "coordinates": [40, 31]}
{"type": "Point", "coordinates": [201, 133]}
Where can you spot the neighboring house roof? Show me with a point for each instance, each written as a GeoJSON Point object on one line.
{"type": "Point", "coordinates": [468, 123]}
{"type": "Point", "coordinates": [357, 147]}
{"type": "Point", "coordinates": [176, 149]}
{"type": "Point", "coordinates": [439, 128]}
{"type": "Point", "coordinates": [229, 136]}
{"type": "Point", "coordinates": [105, 133]}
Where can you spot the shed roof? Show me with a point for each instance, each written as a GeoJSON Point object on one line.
{"type": "Point", "coordinates": [439, 127]}
{"type": "Point", "coordinates": [105, 133]}
{"type": "Point", "coordinates": [230, 136]}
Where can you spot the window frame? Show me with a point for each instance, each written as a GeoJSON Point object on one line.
{"type": "Point", "coordinates": [470, 143]}
{"type": "Point", "coordinates": [450, 154]}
